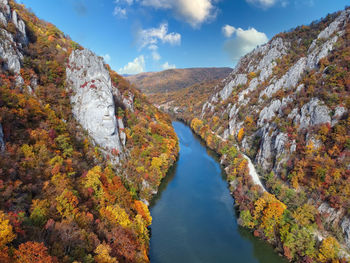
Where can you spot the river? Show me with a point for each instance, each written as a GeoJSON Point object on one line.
{"type": "Point", "coordinates": [193, 215]}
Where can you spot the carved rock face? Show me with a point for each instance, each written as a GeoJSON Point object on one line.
{"type": "Point", "coordinates": [92, 98]}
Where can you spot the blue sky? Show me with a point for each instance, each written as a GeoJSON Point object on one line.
{"type": "Point", "coordinates": [152, 35]}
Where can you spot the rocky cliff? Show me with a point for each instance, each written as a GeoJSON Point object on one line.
{"type": "Point", "coordinates": [92, 100]}
{"type": "Point", "coordinates": [253, 79]}
{"type": "Point", "coordinates": [256, 91]}
{"type": "Point", "coordinates": [283, 111]}
{"type": "Point", "coordinates": [13, 40]}
{"type": "Point", "coordinates": [286, 106]}
{"type": "Point", "coordinates": [80, 148]}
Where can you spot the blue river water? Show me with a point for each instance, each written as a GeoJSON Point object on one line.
{"type": "Point", "coordinates": [193, 215]}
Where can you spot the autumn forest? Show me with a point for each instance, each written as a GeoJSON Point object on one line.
{"type": "Point", "coordinates": [278, 122]}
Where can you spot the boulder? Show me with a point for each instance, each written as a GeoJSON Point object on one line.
{"type": "Point", "coordinates": [339, 112]}
{"type": "Point", "coordinates": [331, 215]}
{"type": "Point", "coordinates": [313, 113]}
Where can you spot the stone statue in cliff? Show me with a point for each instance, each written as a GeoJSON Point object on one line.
{"type": "Point", "coordinates": [92, 100]}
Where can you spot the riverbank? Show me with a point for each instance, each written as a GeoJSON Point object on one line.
{"type": "Point", "coordinates": [290, 222]}
{"type": "Point", "coordinates": [193, 215]}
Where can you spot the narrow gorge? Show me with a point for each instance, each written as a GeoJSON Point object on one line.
{"type": "Point", "coordinates": [94, 167]}
{"type": "Point", "coordinates": [193, 215]}
{"type": "Point", "coordinates": [284, 110]}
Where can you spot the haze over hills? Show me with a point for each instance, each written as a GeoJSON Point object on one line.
{"type": "Point", "coordinates": [175, 79]}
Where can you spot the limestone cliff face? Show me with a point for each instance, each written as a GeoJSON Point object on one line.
{"type": "Point", "coordinates": [93, 103]}
{"type": "Point", "coordinates": [258, 89]}
{"type": "Point", "coordinates": [11, 46]}
{"type": "Point", "coordinates": [255, 73]}
{"type": "Point", "coordinates": [12, 42]}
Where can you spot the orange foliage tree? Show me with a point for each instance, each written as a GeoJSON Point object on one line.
{"type": "Point", "coordinates": [30, 252]}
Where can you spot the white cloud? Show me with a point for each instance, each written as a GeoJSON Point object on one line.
{"type": "Point", "coordinates": [228, 30]}
{"type": "Point", "coordinates": [156, 56]}
{"type": "Point", "coordinates": [166, 66]}
{"type": "Point", "coordinates": [194, 12]}
{"type": "Point", "coordinates": [129, 2]}
{"type": "Point", "coordinates": [265, 4]}
{"type": "Point", "coordinates": [153, 47]}
{"type": "Point", "coordinates": [119, 12]}
{"type": "Point", "coordinates": [150, 37]}
{"type": "Point", "coordinates": [244, 42]}
{"type": "Point", "coordinates": [134, 67]}
{"type": "Point", "coordinates": [107, 58]}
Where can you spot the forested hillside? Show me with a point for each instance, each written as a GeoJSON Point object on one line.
{"type": "Point", "coordinates": [286, 106]}
{"type": "Point", "coordinates": [81, 151]}
{"type": "Point", "coordinates": [188, 102]}
{"type": "Point", "coordinates": [175, 79]}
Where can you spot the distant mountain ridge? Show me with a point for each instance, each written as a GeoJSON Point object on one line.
{"type": "Point", "coordinates": [175, 79]}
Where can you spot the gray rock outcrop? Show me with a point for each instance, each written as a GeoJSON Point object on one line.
{"type": "Point", "coordinates": [285, 113]}
{"type": "Point", "coordinates": [269, 112]}
{"type": "Point", "coordinates": [255, 95]}
{"type": "Point", "coordinates": [240, 79]}
{"type": "Point", "coordinates": [345, 226]}
{"type": "Point", "coordinates": [21, 27]}
{"type": "Point", "coordinates": [92, 101]}
{"type": "Point", "coordinates": [332, 215]}
{"type": "Point", "coordinates": [9, 53]}
{"type": "Point", "coordinates": [313, 113]}
{"type": "Point", "coordinates": [339, 112]}
{"type": "Point", "coordinates": [2, 142]}
{"type": "Point", "coordinates": [11, 44]}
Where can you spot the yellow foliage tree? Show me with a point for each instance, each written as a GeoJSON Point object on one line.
{"type": "Point", "coordinates": [102, 254]}
{"type": "Point", "coordinates": [269, 210]}
{"type": "Point", "coordinates": [156, 163]}
{"type": "Point", "coordinates": [305, 215]}
{"type": "Point", "coordinates": [248, 121]}
{"type": "Point", "coordinates": [6, 233]}
{"type": "Point", "coordinates": [92, 180]}
{"type": "Point", "coordinates": [67, 204]}
{"type": "Point", "coordinates": [251, 75]}
{"type": "Point", "coordinates": [328, 250]}
{"type": "Point", "coordinates": [209, 140]}
{"type": "Point", "coordinates": [298, 173]}
{"type": "Point", "coordinates": [310, 148]}
{"type": "Point", "coordinates": [140, 226]}
{"type": "Point", "coordinates": [115, 215]}
{"type": "Point", "coordinates": [196, 124]}
{"type": "Point", "coordinates": [240, 134]}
